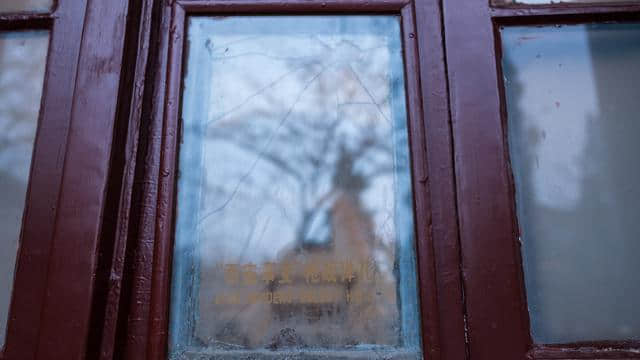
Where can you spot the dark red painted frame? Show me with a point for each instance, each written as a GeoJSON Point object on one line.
{"type": "Point", "coordinates": [137, 328]}
{"type": "Point", "coordinates": [93, 271]}
{"type": "Point", "coordinates": [497, 315]}
{"type": "Point", "coordinates": [53, 286]}
{"type": "Point", "coordinates": [457, 117]}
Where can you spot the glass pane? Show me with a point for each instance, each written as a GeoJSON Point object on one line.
{"type": "Point", "coordinates": [10, 6]}
{"type": "Point", "coordinates": [572, 102]}
{"type": "Point", "coordinates": [23, 56]}
{"type": "Point", "coordinates": [294, 228]}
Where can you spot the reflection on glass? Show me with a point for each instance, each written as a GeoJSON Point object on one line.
{"type": "Point", "coordinates": [22, 63]}
{"type": "Point", "coordinates": [572, 98]}
{"type": "Point", "coordinates": [294, 228]}
{"type": "Point", "coordinates": [10, 6]}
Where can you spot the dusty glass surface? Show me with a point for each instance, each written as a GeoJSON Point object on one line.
{"type": "Point", "coordinates": [22, 64]}
{"type": "Point", "coordinates": [294, 232]}
{"type": "Point", "coordinates": [573, 123]}
{"type": "Point", "coordinates": [10, 6]}
{"type": "Point", "coordinates": [547, 2]}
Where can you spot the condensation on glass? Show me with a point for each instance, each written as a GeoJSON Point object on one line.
{"type": "Point", "coordinates": [573, 123]}
{"type": "Point", "coordinates": [16, 6]}
{"type": "Point", "coordinates": [547, 2]}
{"type": "Point", "coordinates": [294, 232]}
{"type": "Point", "coordinates": [23, 56]}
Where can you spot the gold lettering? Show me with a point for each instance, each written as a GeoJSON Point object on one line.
{"type": "Point", "coordinates": [330, 272]}
{"type": "Point", "coordinates": [306, 296]}
{"type": "Point", "coordinates": [268, 272]}
{"type": "Point", "coordinates": [286, 297]}
{"type": "Point", "coordinates": [276, 297]}
{"type": "Point", "coordinates": [249, 274]}
{"type": "Point", "coordinates": [312, 272]}
{"type": "Point", "coordinates": [285, 271]}
{"type": "Point", "coordinates": [231, 274]}
{"type": "Point", "coordinates": [348, 271]}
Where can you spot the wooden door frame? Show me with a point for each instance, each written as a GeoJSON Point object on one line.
{"type": "Point", "coordinates": [94, 263]}
{"type": "Point", "coordinates": [496, 308]}
{"type": "Point", "coordinates": [472, 289]}
{"type": "Point", "coordinates": [136, 323]}
{"type": "Point", "coordinates": [52, 294]}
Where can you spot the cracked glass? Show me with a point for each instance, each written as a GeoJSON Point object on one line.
{"type": "Point", "coordinates": [294, 232]}
{"type": "Point", "coordinates": [573, 126]}
{"type": "Point", "coordinates": [23, 56]}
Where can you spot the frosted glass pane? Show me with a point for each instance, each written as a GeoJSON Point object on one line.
{"type": "Point", "coordinates": [294, 232]}
{"type": "Point", "coordinates": [9, 6]}
{"type": "Point", "coordinates": [23, 57]}
{"type": "Point", "coordinates": [573, 123]}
